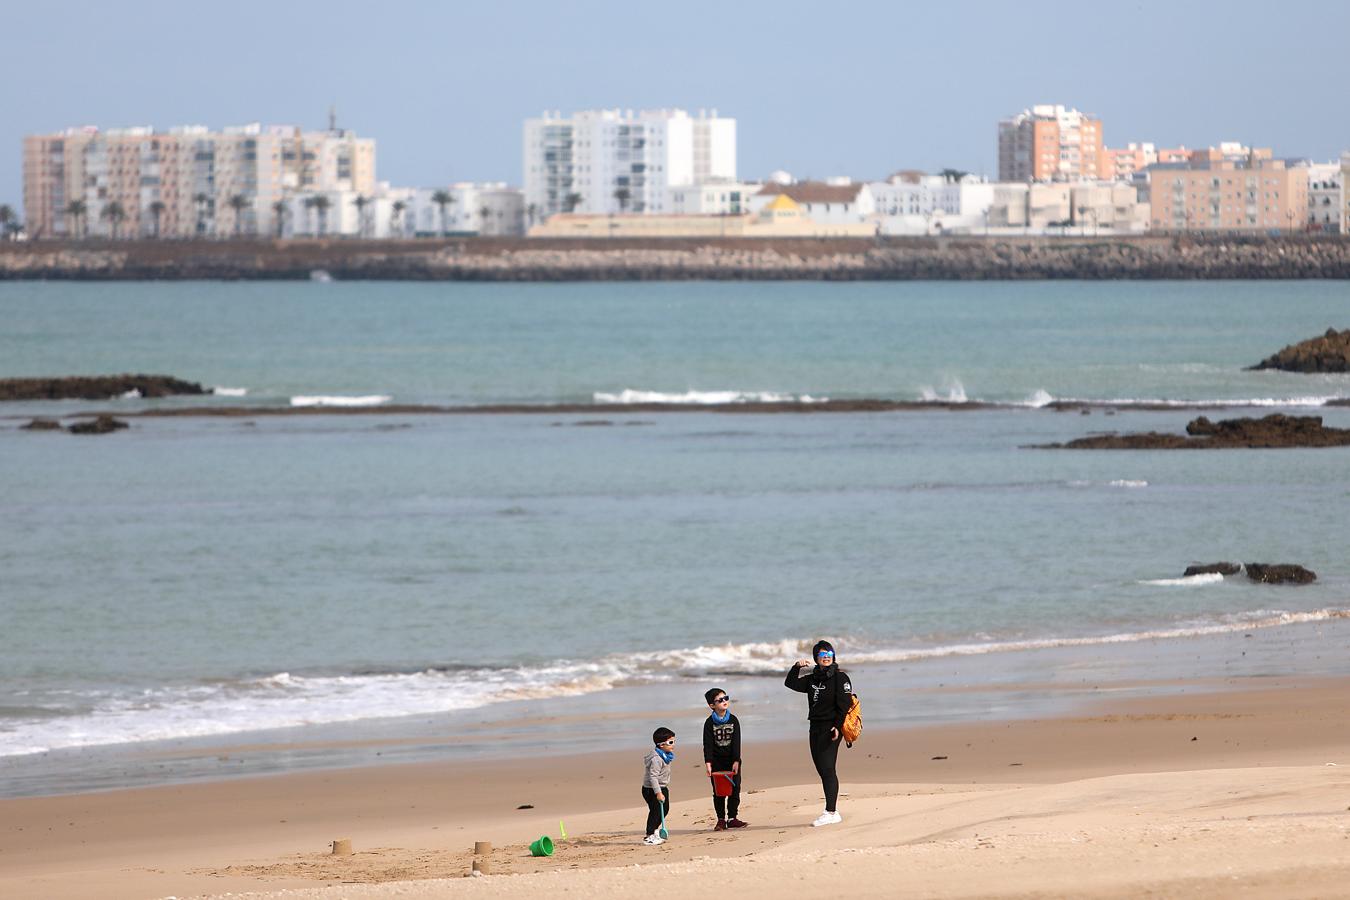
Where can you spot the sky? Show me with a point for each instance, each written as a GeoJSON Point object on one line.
{"type": "Point", "coordinates": [819, 89]}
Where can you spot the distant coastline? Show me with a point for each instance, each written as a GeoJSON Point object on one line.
{"type": "Point", "coordinates": [965, 258]}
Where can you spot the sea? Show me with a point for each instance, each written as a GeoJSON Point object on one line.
{"type": "Point", "coordinates": [206, 596]}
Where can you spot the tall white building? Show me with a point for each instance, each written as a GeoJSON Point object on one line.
{"type": "Point", "coordinates": [1326, 197]}
{"type": "Point", "coordinates": [614, 161]}
{"type": "Point", "coordinates": [915, 203]}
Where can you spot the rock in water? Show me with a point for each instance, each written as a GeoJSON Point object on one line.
{"type": "Point", "coordinates": [97, 387]}
{"type": "Point", "coordinates": [42, 425]}
{"type": "Point", "coordinates": [1328, 353]}
{"type": "Point", "coordinates": [1220, 568]}
{"type": "Point", "coordinates": [101, 425]}
{"type": "Point", "coordinates": [1280, 573]}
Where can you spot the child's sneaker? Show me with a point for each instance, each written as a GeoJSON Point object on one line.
{"type": "Point", "coordinates": [653, 839]}
{"type": "Point", "coordinates": [827, 818]}
{"type": "Point", "coordinates": [736, 823]}
{"type": "Point", "coordinates": [721, 825]}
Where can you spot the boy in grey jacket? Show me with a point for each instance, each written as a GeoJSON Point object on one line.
{"type": "Point", "coordinates": [656, 782]}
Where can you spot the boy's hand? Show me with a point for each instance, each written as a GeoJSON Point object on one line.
{"type": "Point", "coordinates": [708, 766]}
{"type": "Point", "coordinates": [660, 797]}
{"type": "Point", "coordinates": [805, 664]}
{"type": "Point", "coordinates": [736, 768]}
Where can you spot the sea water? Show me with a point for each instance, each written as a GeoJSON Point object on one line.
{"type": "Point", "coordinates": [196, 581]}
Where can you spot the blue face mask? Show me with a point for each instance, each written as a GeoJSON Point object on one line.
{"type": "Point", "coordinates": [667, 755]}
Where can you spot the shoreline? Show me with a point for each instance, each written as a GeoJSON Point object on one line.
{"type": "Point", "coordinates": [914, 798]}
{"type": "Point", "coordinates": [786, 407]}
{"type": "Point", "coordinates": [947, 258]}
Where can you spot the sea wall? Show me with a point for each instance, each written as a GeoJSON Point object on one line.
{"type": "Point", "coordinates": [834, 259]}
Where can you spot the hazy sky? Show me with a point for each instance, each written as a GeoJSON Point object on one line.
{"type": "Point", "coordinates": [843, 88]}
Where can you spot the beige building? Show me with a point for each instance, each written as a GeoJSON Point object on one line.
{"type": "Point", "coordinates": [1082, 208]}
{"type": "Point", "coordinates": [1123, 162]}
{"type": "Point", "coordinates": [780, 217]}
{"type": "Point", "coordinates": [1213, 193]}
{"type": "Point", "coordinates": [184, 182]}
{"type": "Point", "coordinates": [1051, 143]}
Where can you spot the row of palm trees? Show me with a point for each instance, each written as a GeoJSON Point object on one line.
{"type": "Point", "coordinates": [318, 205]}
{"type": "Point", "coordinates": [9, 222]}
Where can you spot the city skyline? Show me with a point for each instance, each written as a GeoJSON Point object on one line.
{"type": "Point", "coordinates": [445, 91]}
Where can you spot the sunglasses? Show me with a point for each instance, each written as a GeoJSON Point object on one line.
{"type": "Point", "coordinates": [666, 743]}
{"type": "Point", "coordinates": [722, 700]}
{"type": "Point", "coordinates": [826, 654]}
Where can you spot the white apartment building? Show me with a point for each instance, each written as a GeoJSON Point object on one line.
{"type": "Point", "coordinates": [187, 181]}
{"type": "Point", "coordinates": [1345, 193]}
{"type": "Point", "coordinates": [1326, 197]}
{"type": "Point", "coordinates": [615, 161]}
{"type": "Point", "coordinates": [917, 203]}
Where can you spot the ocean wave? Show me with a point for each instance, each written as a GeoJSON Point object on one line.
{"type": "Point", "coordinates": [1187, 580]}
{"type": "Point", "coordinates": [289, 700]}
{"type": "Point", "coordinates": [1128, 483]}
{"type": "Point", "coordinates": [229, 391]}
{"type": "Point", "coordinates": [1039, 399]}
{"type": "Point", "coordinates": [340, 400]}
{"type": "Point", "coordinates": [133, 394]}
{"type": "Point", "coordinates": [702, 398]}
{"type": "Point", "coordinates": [955, 393]}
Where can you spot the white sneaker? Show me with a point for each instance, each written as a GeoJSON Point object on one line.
{"type": "Point", "coordinates": [653, 840]}
{"type": "Point", "coordinates": [827, 818]}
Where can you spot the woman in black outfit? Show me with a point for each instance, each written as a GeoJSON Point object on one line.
{"type": "Point", "coordinates": [829, 694]}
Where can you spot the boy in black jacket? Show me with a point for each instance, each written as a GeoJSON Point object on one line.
{"type": "Point", "coordinates": [722, 753]}
{"type": "Point", "coordinates": [829, 695]}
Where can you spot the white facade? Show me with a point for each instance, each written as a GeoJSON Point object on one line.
{"type": "Point", "coordinates": [1345, 193]}
{"type": "Point", "coordinates": [1081, 208]}
{"type": "Point", "coordinates": [613, 161]}
{"type": "Point", "coordinates": [711, 198]}
{"type": "Point", "coordinates": [1326, 198]}
{"type": "Point", "coordinates": [914, 203]}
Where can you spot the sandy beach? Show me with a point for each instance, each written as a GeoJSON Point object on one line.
{"type": "Point", "coordinates": [1239, 792]}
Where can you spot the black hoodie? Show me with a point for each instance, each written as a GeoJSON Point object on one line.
{"type": "Point", "coordinates": [829, 691]}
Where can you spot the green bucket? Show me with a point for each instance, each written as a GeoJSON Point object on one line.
{"type": "Point", "coordinates": [542, 847]}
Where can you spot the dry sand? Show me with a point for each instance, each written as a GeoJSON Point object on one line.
{"type": "Point", "coordinates": [1239, 793]}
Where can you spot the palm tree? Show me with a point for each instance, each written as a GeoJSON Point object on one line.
{"type": "Point", "coordinates": [953, 176]}
{"type": "Point", "coordinates": [321, 205]}
{"type": "Point", "coordinates": [6, 218]}
{"type": "Point", "coordinates": [157, 209]}
{"type": "Point", "coordinates": [361, 202]}
{"type": "Point", "coordinates": [201, 200]}
{"type": "Point", "coordinates": [571, 202]}
{"type": "Point", "coordinates": [396, 218]}
{"type": "Point", "coordinates": [623, 195]}
{"type": "Point", "coordinates": [77, 210]}
{"type": "Point", "coordinates": [238, 203]}
{"type": "Point", "coordinates": [282, 210]}
{"type": "Point", "coordinates": [114, 215]}
{"type": "Point", "coordinates": [483, 213]}
{"type": "Point", "coordinates": [442, 199]}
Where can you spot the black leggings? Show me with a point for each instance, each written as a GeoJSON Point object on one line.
{"type": "Point", "coordinates": [825, 753]}
{"type": "Point", "coordinates": [655, 807]}
{"type": "Point", "coordinates": [727, 807]}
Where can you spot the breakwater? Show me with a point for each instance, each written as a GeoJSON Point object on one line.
{"type": "Point", "coordinates": [842, 259]}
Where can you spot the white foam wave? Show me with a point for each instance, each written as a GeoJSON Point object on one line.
{"type": "Point", "coordinates": [286, 700]}
{"type": "Point", "coordinates": [340, 400]}
{"type": "Point", "coordinates": [1187, 580]}
{"type": "Point", "coordinates": [1039, 399]}
{"type": "Point", "coordinates": [229, 391]}
{"type": "Point", "coordinates": [1128, 483]}
{"type": "Point", "coordinates": [695, 398]}
{"type": "Point", "coordinates": [955, 393]}
{"type": "Point", "coordinates": [133, 394]}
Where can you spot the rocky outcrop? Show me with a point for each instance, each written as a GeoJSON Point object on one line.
{"type": "Point", "coordinates": [1280, 573]}
{"type": "Point", "coordinates": [1272, 431]}
{"type": "Point", "coordinates": [1328, 353]}
{"type": "Point", "coordinates": [963, 258]}
{"type": "Point", "coordinates": [97, 387]}
{"type": "Point", "coordinates": [99, 425]}
{"type": "Point", "coordinates": [1218, 568]}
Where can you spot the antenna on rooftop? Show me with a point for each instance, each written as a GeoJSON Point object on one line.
{"type": "Point", "coordinates": [332, 118]}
